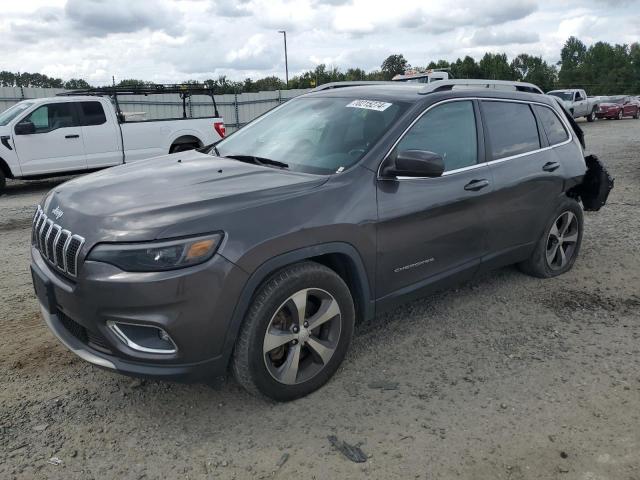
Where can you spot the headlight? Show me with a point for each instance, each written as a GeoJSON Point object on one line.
{"type": "Point", "coordinates": [157, 256]}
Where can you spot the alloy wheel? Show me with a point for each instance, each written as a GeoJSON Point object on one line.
{"type": "Point", "coordinates": [562, 240]}
{"type": "Point", "coordinates": [302, 336]}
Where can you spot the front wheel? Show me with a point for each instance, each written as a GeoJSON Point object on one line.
{"type": "Point", "coordinates": [3, 182]}
{"type": "Point", "coordinates": [637, 115]}
{"type": "Point", "coordinates": [296, 333]}
{"type": "Point", "coordinates": [557, 249]}
{"type": "Point", "coordinates": [619, 117]}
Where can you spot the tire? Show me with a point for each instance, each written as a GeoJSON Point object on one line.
{"type": "Point", "coordinates": [592, 116]}
{"type": "Point", "coordinates": [637, 115]}
{"type": "Point", "coordinates": [3, 183]}
{"type": "Point", "coordinates": [182, 147]}
{"type": "Point", "coordinates": [619, 116]}
{"type": "Point", "coordinates": [545, 262]}
{"type": "Point", "coordinates": [275, 308]}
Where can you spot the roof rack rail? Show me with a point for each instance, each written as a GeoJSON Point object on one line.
{"type": "Point", "coordinates": [356, 83]}
{"type": "Point", "coordinates": [184, 90]}
{"type": "Point", "coordinates": [442, 85]}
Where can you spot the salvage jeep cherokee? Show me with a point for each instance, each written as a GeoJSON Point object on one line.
{"type": "Point", "coordinates": [261, 252]}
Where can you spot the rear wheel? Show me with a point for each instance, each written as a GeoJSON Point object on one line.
{"type": "Point", "coordinates": [592, 116]}
{"type": "Point", "coordinates": [3, 182]}
{"type": "Point", "coordinates": [557, 249]}
{"type": "Point", "coordinates": [296, 333]}
{"type": "Point", "coordinates": [637, 115]}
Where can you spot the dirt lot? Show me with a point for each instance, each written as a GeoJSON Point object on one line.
{"type": "Point", "coordinates": [508, 377]}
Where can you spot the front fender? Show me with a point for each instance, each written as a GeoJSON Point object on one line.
{"type": "Point", "coordinates": [280, 261]}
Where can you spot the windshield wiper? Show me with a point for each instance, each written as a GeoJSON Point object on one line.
{"type": "Point", "coordinates": [258, 160]}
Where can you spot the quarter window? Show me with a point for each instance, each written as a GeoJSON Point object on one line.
{"type": "Point", "coordinates": [92, 113]}
{"type": "Point", "coordinates": [52, 116]}
{"type": "Point", "coordinates": [512, 128]}
{"type": "Point", "coordinates": [553, 127]}
{"type": "Point", "coordinates": [449, 130]}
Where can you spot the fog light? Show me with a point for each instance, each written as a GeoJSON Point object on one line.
{"type": "Point", "coordinates": [143, 338]}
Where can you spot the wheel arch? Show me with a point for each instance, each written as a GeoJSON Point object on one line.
{"type": "Point", "coordinates": [341, 257]}
{"type": "Point", "coordinates": [4, 168]}
{"type": "Point", "coordinates": [186, 137]}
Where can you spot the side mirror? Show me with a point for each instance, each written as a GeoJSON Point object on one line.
{"type": "Point", "coordinates": [414, 163]}
{"type": "Point", "coordinates": [25, 128]}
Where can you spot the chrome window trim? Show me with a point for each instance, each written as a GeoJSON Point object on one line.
{"type": "Point", "coordinates": [477, 165]}
{"type": "Point", "coordinates": [113, 326]}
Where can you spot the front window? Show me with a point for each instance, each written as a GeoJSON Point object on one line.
{"type": "Point", "coordinates": [319, 135]}
{"type": "Point", "coordinates": [448, 130]}
{"type": "Point", "coordinates": [51, 117]}
{"type": "Point", "coordinates": [566, 96]}
{"type": "Point", "coordinates": [12, 112]}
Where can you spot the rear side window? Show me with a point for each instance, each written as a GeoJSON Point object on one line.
{"type": "Point", "coordinates": [553, 127]}
{"type": "Point", "coordinates": [92, 113]}
{"type": "Point", "coordinates": [512, 128]}
{"type": "Point", "coordinates": [449, 130]}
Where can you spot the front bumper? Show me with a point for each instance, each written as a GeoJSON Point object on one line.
{"type": "Point", "coordinates": [194, 305]}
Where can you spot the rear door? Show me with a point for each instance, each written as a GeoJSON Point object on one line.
{"type": "Point", "coordinates": [431, 228]}
{"type": "Point", "coordinates": [100, 134]}
{"type": "Point", "coordinates": [56, 145]}
{"type": "Point", "coordinates": [527, 175]}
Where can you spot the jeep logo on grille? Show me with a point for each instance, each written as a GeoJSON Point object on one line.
{"type": "Point", "coordinates": [57, 212]}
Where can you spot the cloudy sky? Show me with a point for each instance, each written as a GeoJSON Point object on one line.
{"type": "Point", "coordinates": [175, 40]}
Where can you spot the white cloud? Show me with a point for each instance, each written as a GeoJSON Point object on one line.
{"type": "Point", "coordinates": [179, 39]}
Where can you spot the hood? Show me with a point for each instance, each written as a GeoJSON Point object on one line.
{"type": "Point", "coordinates": [138, 201]}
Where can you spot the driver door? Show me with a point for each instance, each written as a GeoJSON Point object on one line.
{"type": "Point", "coordinates": [56, 142]}
{"type": "Point", "coordinates": [430, 229]}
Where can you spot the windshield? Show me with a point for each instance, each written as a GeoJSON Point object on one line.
{"type": "Point", "coordinates": [614, 99]}
{"type": "Point", "coordinates": [12, 112]}
{"type": "Point", "coordinates": [315, 135]}
{"type": "Point", "coordinates": [568, 96]}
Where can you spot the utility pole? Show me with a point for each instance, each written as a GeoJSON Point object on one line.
{"type": "Point", "coordinates": [286, 62]}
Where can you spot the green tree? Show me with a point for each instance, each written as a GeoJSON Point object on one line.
{"type": "Point", "coordinates": [394, 65]}
{"type": "Point", "coordinates": [495, 66]}
{"type": "Point", "coordinates": [532, 69]}
{"type": "Point", "coordinates": [572, 60]}
{"type": "Point", "coordinates": [76, 83]}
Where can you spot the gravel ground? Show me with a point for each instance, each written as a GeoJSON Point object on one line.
{"type": "Point", "coordinates": [507, 377]}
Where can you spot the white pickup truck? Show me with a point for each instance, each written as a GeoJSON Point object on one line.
{"type": "Point", "coordinates": [577, 103]}
{"type": "Point", "coordinates": [46, 137]}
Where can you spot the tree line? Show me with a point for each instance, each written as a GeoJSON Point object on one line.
{"type": "Point", "coordinates": [600, 69]}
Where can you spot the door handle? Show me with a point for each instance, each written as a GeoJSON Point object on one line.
{"type": "Point", "coordinates": [550, 166]}
{"type": "Point", "coordinates": [475, 185]}
{"type": "Point", "coordinates": [72, 136]}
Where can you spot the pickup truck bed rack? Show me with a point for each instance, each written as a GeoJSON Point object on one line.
{"type": "Point", "coordinates": [184, 90]}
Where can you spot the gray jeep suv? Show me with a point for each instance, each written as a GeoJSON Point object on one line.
{"type": "Point", "coordinates": [260, 253]}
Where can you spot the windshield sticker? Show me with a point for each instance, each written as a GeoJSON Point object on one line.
{"type": "Point", "coordinates": [369, 105]}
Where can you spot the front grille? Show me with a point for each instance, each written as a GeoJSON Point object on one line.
{"type": "Point", "coordinates": [58, 246]}
{"type": "Point", "coordinates": [86, 336]}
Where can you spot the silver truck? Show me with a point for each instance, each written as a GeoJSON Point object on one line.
{"type": "Point", "coordinates": [576, 101]}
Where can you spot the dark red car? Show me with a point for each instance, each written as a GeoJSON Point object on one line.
{"type": "Point", "coordinates": [617, 107]}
